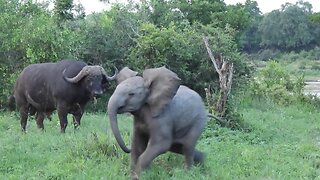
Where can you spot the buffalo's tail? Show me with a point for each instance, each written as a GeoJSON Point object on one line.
{"type": "Point", "coordinates": [11, 103]}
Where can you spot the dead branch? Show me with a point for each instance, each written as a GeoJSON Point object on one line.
{"type": "Point", "coordinates": [205, 39]}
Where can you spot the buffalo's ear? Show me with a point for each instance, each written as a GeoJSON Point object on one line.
{"type": "Point", "coordinates": [163, 85]}
{"type": "Point", "coordinates": [124, 74]}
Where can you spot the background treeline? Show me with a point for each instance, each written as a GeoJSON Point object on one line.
{"type": "Point", "coordinates": [151, 34]}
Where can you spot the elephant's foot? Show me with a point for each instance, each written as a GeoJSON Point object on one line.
{"type": "Point", "coordinates": [199, 157]}
{"type": "Point", "coordinates": [134, 176]}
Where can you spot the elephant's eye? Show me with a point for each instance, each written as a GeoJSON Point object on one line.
{"type": "Point", "coordinates": [131, 94]}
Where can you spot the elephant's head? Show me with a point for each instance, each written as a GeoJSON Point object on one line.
{"type": "Point", "coordinates": [155, 88]}
{"type": "Point", "coordinates": [124, 74]}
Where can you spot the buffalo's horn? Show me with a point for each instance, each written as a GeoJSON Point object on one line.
{"type": "Point", "coordinates": [84, 71]}
{"type": "Point", "coordinates": [112, 77]}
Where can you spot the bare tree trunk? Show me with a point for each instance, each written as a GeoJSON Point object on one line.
{"type": "Point", "coordinates": [224, 69]}
{"type": "Point", "coordinates": [209, 99]}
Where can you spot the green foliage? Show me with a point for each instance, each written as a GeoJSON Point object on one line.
{"type": "Point", "coordinates": [288, 29]}
{"type": "Point", "coordinates": [315, 17]}
{"type": "Point", "coordinates": [304, 62]}
{"type": "Point", "coordinates": [66, 10]}
{"type": "Point", "coordinates": [315, 66]}
{"type": "Point", "coordinates": [274, 82]}
{"type": "Point", "coordinates": [202, 11]}
{"type": "Point", "coordinates": [250, 37]}
{"type": "Point", "coordinates": [183, 52]}
{"type": "Point", "coordinates": [30, 35]}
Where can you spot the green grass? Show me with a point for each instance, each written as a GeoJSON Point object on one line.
{"type": "Point", "coordinates": [309, 68]}
{"type": "Point", "coordinates": [284, 143]}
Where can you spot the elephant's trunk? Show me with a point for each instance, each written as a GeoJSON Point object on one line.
{"type": "Point", "coordinates": [112, 112]}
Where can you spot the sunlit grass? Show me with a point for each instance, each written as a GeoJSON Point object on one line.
{"type": "Point", "coordinates": [284, 143]}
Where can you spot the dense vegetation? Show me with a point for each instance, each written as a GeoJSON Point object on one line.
{"type": "Point", "coordinates": [274, 132]}
{"type": "Point", "coordinates": [151, 34]}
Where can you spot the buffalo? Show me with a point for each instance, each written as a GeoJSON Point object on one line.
{"type": "Point", "coordinates": [65, 86]}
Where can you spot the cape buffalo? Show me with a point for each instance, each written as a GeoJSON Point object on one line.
{"type": "Point", "coordinates": [65, 86]}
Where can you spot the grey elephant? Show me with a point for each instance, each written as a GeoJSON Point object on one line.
{"type": "Point", "coordinates": [167, 117]}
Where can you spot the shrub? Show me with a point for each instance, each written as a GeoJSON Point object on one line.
{"type": "Point", "coordinates": [268, 54]}
{"type": "Point", "coordinates": [303, 65]}
{"type": "Point", "coordinates": [275, 83]}
{"type": "Point", "coordinates": [315, 66]}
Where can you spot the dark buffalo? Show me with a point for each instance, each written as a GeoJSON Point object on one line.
{"type": "Point", "coordinates": [65, 86]}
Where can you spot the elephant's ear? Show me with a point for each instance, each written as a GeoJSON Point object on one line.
{"type": "Point", "coordinates": [124, 74]}
{"type": "Point", "coordinates": [163, 85]}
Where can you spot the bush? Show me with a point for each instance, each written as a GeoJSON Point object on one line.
{"type": "Point", "coordinates": [302, 65]}
{"type": "Point", "coordinates": [275, 83]}
{"type": "Point", "coordinates": [315, 66]}
{"type": "Point", "coordinates": [268, 54]}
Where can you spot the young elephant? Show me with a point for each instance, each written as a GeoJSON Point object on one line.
{"type": "Point", "coordinates": [167, 117]}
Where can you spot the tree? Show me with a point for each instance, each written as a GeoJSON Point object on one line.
{"type": "Point", "coordinates": [250, 38]}
{"type": "Point", "coordinates": [315, 17]}
{"type": "Point", "coordinates": [288, 28]}
{"type": "Point", "coordinates": [224, 68]}
{"type": "Point", "coordinates": [108, 36]}
{"type": "Point", "coordinates": [62, 10]}
{"type": "Point", "coordinates": [29, 35]}
{"type": "Point", "coordinates": [202, 11]}
{"type": "Point", "coordinates": [65, 10]}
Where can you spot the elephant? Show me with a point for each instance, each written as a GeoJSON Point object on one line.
{"type": "Point", "coordinates": [167, 117]}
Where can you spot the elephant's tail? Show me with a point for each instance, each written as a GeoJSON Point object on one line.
{"type": "Point", "coordinates": [11, 103]}
{"type": "Point", "coordinates": [221, 120]}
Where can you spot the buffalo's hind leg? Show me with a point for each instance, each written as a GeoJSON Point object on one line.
{"type": "Point", "coordinates": [40, 117]}
{"type": "Point", "coordinates": [23, 110]}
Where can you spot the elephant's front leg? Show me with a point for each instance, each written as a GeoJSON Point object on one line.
{"type": "Point", "coordinates": [139, 144]}
{"type": "Point", "coordinates": [157, 145]}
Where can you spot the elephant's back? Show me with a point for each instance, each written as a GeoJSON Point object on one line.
{"type": "Point", "coordinates": [187, 108]}
{"type": "Point", "coordinates": [188, 98]}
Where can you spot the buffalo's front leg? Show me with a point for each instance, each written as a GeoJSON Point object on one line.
{"type": "Point", "coordinates": [62, 113]}
{"type": "Point", "coordinates": [76, 120]}
{"type": "Point", "coordinates": [77, 115]}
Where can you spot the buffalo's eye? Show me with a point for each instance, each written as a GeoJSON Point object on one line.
{"type": "Point", "coordinates": [131, 94]}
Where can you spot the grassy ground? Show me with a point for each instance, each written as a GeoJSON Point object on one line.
{"type": "Point", "coordinates": [310, 69]}
{"type": "Point", "coordinates": [284, 143]}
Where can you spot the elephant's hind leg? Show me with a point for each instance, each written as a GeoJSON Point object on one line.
{"type": "Point", "coordinates": [188, 149]}
{"type": "Point", "coordinates": [198, 156]}
{"type": "Point", "coordinates": [154, 148]}
{"type": "Point", "coordinates": [188, 152]}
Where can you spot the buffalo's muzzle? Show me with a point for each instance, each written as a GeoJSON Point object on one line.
{"type": "Point", "coordinates": [97, 93]}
